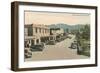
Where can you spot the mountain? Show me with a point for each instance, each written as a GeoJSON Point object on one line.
{"type": "Point", "coordinates": [66, 26]}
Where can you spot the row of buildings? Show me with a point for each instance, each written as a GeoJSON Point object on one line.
{"type": "Point", "coordinates": [38, 33]}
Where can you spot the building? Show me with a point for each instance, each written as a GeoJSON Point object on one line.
{"type": "Point", "coordinates": [36, 34]}
{"type": "Point", "coordinates": [56, 33]}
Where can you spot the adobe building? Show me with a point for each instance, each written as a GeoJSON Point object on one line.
{"type": "Point", "coordinates": [36, 34]}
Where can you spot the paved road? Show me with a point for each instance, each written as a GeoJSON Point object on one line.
{"type": "Point", "coordinates": [59, 51]}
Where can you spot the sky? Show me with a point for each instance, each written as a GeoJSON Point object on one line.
{"type": "Point", "coordinates": [48, 18]}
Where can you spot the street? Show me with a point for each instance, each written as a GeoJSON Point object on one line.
{"type": "Point", "coordinates": [60, 50]}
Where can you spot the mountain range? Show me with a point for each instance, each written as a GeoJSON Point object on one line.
{"type": "Point", "coordinates": [66, 26]}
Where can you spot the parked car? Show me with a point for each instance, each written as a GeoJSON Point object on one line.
{"type": "Point", "coordinates": [28, 53]}
{"type": "Point", "coordinates": [51, 42]}
{"type": "Point", "coordinates": [37, 47]}
{"type": "Point", "coordinates": [73, 46]}
{"type": "Point", "coordinates": [58, 40]}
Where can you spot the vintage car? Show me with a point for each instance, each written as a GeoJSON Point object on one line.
{"type": "Point", "coordinates": [74, 45]}
{"type": "Point", "coordinates": [51, 42]}
{"type": "Point", "coordinates": [37, 47]}
{"type": "Point", "coordinates": [28, 53]}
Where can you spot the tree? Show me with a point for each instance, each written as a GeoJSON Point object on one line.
{"type": "Point", "coordinates": [86, 32]}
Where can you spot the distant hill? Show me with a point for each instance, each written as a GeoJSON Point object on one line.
{"type": "Point", "coordinates": [66, 26]}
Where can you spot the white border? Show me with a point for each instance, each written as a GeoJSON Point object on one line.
{"type": "Point", "coordinates": [33, 64]}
